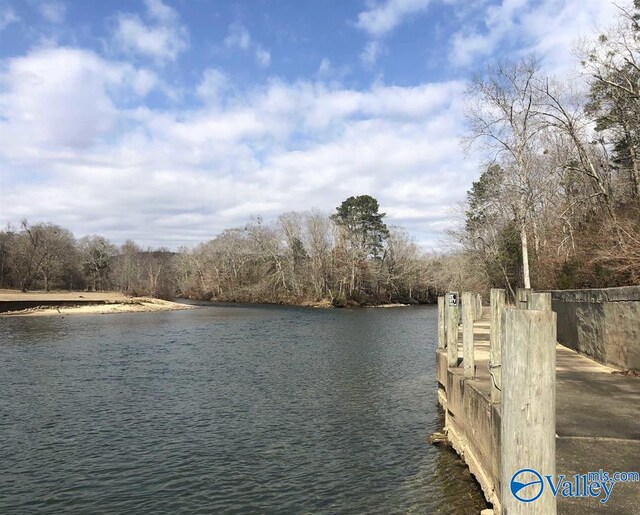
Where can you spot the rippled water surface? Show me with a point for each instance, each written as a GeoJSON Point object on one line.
{"type": "Point", "coordinates": [225, 410]}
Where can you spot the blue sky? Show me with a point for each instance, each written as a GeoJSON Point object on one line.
{"type": "Point", "coordinates": [167, 121]}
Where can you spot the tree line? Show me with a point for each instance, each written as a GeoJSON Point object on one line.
{"type": "Point", "coordinates": [557, 204]}
{"type": "Point", "coordinates": [351, 257]}
{"type": "Point", "coordinates": [46, 256]}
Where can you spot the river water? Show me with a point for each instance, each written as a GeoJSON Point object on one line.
{"type": "Point", "coordinates": [225, 409]}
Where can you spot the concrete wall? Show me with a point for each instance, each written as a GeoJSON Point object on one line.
{"type": "Point", "coordinates": [603, 324]}
{"type": "Point", "coordinates": [473, 426]}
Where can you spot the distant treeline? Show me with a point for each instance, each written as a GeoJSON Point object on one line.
{"type": "Point", "coordinates": [348, 258]}
{"type": "Point", "coordinates": [557, 204]}
{"type": "Point", "coordinates": [46, 256]}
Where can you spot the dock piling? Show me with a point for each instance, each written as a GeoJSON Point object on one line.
{"type": "Point", "coordinates": [451, 310]}
{"type": "Point", "coordinates": [469, 307]}
{"type": "Point", "coordinates": [528, 423]}
{"type": "Point", "coordinates": [497, 301]}
{"type": "Point", "coordinates": [441, 324]}
{"type": "Point", "coordinates": [540, 301]}
{"type": "Point", "coordinates": [522, 298]}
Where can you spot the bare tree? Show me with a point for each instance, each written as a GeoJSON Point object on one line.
{"type": "Point", "coordinates": [503, 112]}
{"type": "Point", "coordinates": [291, 224]}
{"type": "Point", "coordinates": [563, 110]}
{"type": "Point", "coordinates": [97, 253]}
{"type": "Point", "coordinates": [58, 250]}
{"type": "Point", "coordinates": [406, 268]}
{"type": "Point", "coordinates": [318, 242]}
{"type": "Point", "coordinates": [271, 253]}
{"type": "Point", "coordinates": [29, 251]}
{"type": "Point", "coordinates": [127, 268]}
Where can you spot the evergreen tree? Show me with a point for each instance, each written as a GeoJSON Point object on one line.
{"type": "Point", "coordinates": [363, 224]}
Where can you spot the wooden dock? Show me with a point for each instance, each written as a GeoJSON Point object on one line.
{"type": "Point", "coordinates": [597, 423]}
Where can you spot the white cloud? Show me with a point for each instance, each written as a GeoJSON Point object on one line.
{"type": "Point", "coordinates": [380, 19]}
{"type": "Point", "coordinates": [161, 41]}
{"type": "Point", "coordinates": [325, 68]}
{"type": "Point", "coordinates": [144, 81]}
{"type": "Point", "coordinates": [549, 28]}
{"type": "Point", "coordinates": [53, 11]}
{"type": "Point", "coordinates": [383, 17]}
{"type": "Point", "coordinates": [60, 98]}
{"type": "Point", "coordinates": [263, 57]}
{"type": "Point", "coordinates": [371, 52]}
{"type": "Point", "coordinates": [237, 37]}
{"type": "Point", "coordinates": [327, 71]}
{"type": "Point", "coordinates": [7, 17]}
{"type": "Point", "coordinates": [554, 30]}
{"type": "Point", "coordinates": [465, 47]}
{"type": "Point", "coordinates": [160, 11]}
{"type": "Point", "coordinates": [213, 84]}
{"type": "Point", "coordinates": [213, 166]}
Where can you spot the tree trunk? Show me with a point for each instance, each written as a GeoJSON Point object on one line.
{"type": "Point", "coordinates": [536, 239]}
{"type": "Point", "coordinates": [635, 175]}
{"type": "Point", "coordinates": [352, 283]}
{"type": "Point", "coordinates": [525, 255]}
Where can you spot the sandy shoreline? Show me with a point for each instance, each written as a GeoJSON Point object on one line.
{"type": "Point", "coordinates": [389, 306]}
{"type": "Point", "coordinates": [17, 303]}
{"type": "Point", "coordinates": [87, 303]}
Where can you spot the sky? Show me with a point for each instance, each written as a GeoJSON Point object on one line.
{"type": "Point", "coordinates": [168, 121]}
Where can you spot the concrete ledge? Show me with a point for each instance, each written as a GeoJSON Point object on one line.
{"type": "Point", "coordinates": [441, 367]}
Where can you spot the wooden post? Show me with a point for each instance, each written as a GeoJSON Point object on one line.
{"type": "Point", "coordinates": [540, 301]}
{"type": "Point", "coordinates": [452, 328]}
{"type": "Point", "coordinates": [522, 298]}
{"type": "Point", "coordinates": [468, 360]}
{"type": "Point", "coordinates": [528, 423]}
{"type": "Point", "coordinates": [441, 324]}
{"type": "Point", "coordinates": [497, 300]}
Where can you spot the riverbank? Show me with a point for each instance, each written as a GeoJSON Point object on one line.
{"type": "Point", "coordinates": [14, 303]}
{"type": "Point", "coordinates": [40, 303]}
{"type": "Point", "coordinates": [327, 304]}
{"type": "Point", "coordinates": [322, 304]}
